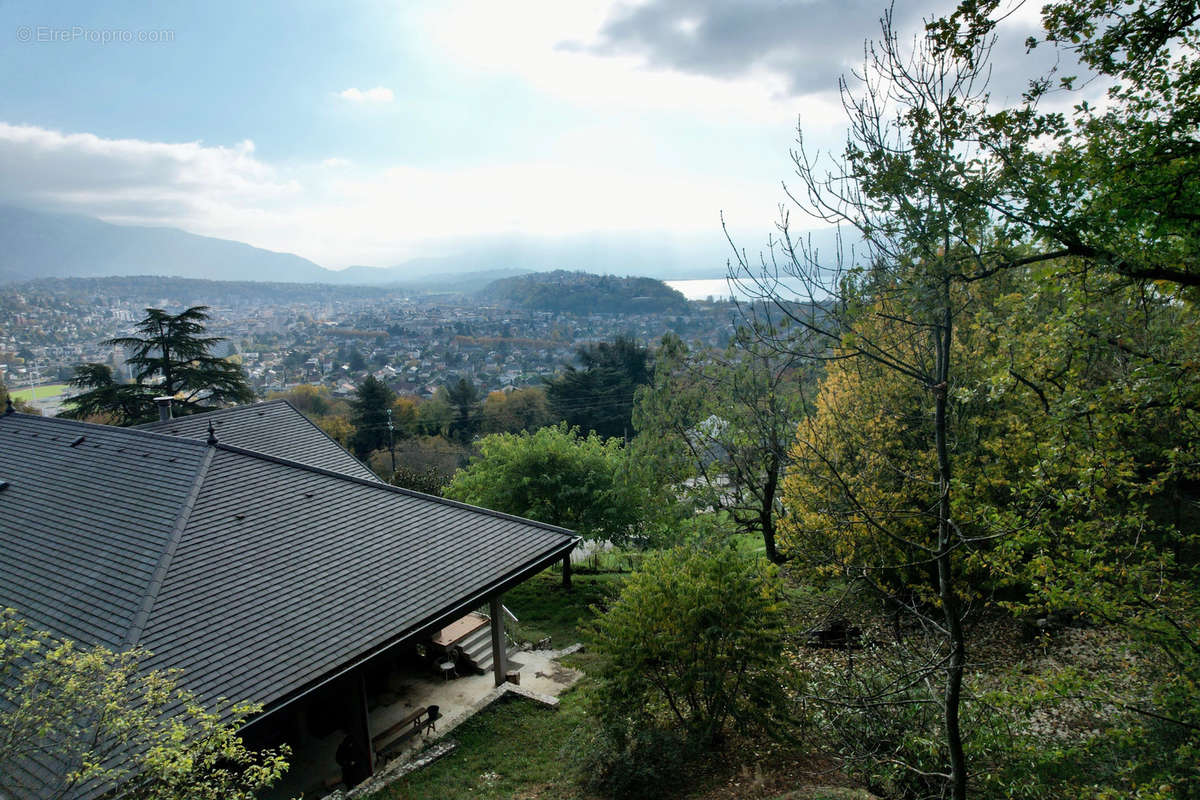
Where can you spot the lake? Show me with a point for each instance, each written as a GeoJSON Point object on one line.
{"type": "Point", "coordinates": [702, 289]}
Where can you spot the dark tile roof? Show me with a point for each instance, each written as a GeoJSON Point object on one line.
{"type": "Point", "coordinates": [275, 427]}
{"type": "Point", "coordinates": [85, 524]}
{"type": "Point", "coordinates": [257, 576]}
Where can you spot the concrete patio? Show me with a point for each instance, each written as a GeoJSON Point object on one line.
{"type": "Point", "coordinates": [315, 771]}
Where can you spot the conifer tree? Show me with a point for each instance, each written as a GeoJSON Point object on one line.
{"type": "Point", "coordinates": [171, 357]}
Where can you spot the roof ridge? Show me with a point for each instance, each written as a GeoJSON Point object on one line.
{"type": "Point", "coordinates": [379, 484]}
{"type": "Point", "coordinates": [163, 423]}
{"type": "Point", "coordinates": [135, 430]}
{"type": "Point", "coordinates": [138, 625]}
{"type": "Point", "coordinates": [366, 466]}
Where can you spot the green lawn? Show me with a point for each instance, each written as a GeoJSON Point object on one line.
{"type": "Point", "coordinates": [512, 749]}
{"type": "Point", "coordinates": [545, 608]}
{"type": "Point", "coordinates": [515, 747]}
{"type": "Point", "coordinates": [43, 392]}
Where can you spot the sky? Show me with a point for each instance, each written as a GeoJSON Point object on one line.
{"type": "Point", "coordinates": [371, 132]}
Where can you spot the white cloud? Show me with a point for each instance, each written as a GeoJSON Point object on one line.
{"type": "Point", "coordinates": [336, 162]}
{"type": "Point", "coordinates": [130, 179]}
{"type": "Point", "coordinates": [344, 216]}
{"type": "Point", "coordinates": [543, 45]}
{"type": "Point", "coordinates": [380, 94]}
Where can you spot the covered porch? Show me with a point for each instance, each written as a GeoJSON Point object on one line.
{"type": "Point", "coordinates": [409, 702]}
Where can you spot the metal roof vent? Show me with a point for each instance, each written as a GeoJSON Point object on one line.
{"type": "Point", "coordinates": [78, 441]}
{"type": "Point", "coordinates": [164, 407]}
{"type": "Point", "coordinates": [3, 485]}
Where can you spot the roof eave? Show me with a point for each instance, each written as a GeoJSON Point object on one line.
{"type": "Point", "coordinates": [429, 623]}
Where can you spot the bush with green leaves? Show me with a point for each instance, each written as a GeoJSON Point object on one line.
{"type": "Point", "coordinates": [108, 723]}
{"type": "Point", "coordinates": [639, 763]}
{"type": "Point", "coordinates": [692, 647]}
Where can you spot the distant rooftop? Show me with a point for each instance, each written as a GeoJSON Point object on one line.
{"type": "Point", "coordinates": [275, 428]}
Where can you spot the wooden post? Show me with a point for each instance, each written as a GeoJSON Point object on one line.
{"type": "Point", "coordinates": [567, 571]}
{"type": "Point", "coordinates": [499, 646]}
{"type": "Point", "coordinates": [360, 728]}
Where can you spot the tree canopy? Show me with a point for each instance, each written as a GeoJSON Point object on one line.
{"type": "Point", "coordinates": [369, 416]}
{"type": "Point", "coordinates": [1008, 415]}
{"type": "Point", "coordinates": [719, 427]}
{"type": "Point", "coordinates": [558, 476]}
{"type": "Point", "coordinates": [170, 357]}
{"type": "Point", "coordinates": [599, 397]}
{"type": "Point", "coordinates": [104, 719]}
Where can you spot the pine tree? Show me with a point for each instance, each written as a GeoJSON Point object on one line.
{"type": "Point", "coordinates": [172, 357]}
{"type": "Point", "coordinates": [369, 407]}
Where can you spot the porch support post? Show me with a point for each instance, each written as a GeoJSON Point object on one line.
{"type": "Point", "coordinates": [499, 649]}
{"type": "Point", "coordinates": [567, 571]}
{"type": "Point", "coordinates": [360, 722]}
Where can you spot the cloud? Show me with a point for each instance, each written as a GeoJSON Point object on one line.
{"type": "Point", "coordinates": [336, 162]}
{"type": "Point", "coordinates": [380, 94]}
{"type": "Point", "coordinates": [344, 216]}
{"type": "Point", "coordinates": [548, 47]}
{"type": "Point", "coordinates": [808, 43]}
{"type": "Point", "coordinates": [130, 179]}
{"type": "Point", "coordinates": [805, 44]}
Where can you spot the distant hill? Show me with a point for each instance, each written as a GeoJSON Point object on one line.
{"type": "Point", "coordinates": [41, 245]}
{"type": "Point", "coordinates": [585, 293]}
{"type": "Point", "coordinates": [37, 244]}
{"type": "Point", "coordinates": [412, 278]}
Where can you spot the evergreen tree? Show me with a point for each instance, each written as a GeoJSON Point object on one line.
{"type": "Point", "coordinates": [369, 409]}
{"type": "Point", "coordinates": [599, 397]}
{"type": "Point", "coordinates": [172, 357]}
{"type": "Point", "coordinates": [463, 397]}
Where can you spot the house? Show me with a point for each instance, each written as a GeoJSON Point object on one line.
{"type": "Point", "coordinates": [275, 428]}
{"type": "Point", "coordinates": [260, 576]}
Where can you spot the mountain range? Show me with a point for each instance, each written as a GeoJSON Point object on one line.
{"type": "Point", "coordinates": [38, 244]}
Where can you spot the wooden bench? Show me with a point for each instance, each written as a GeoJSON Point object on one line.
{"type": "Point", "coordinates": [420, 720]}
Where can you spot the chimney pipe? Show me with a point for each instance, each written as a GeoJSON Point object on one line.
{"type": "Point", "coordinates": [164, 408]}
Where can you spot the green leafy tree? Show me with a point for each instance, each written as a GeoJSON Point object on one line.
{"type": "Point", "coordinates": [893, 305]}
{"type": "Point", "coordinates": [18, 405]}
{"type": "Point", "coordinates": [104, 720]}
{"type": "Point", "coordinates": [599, 397]}
{"type": "Point", "coordinates": [368, 415]}
{"type": "Point", "coordinates": [516, 411]}
{"type": "Point", "coordinates": [170, 356]}
{"type": "Point", "coordinates": [1113, 183]}
{"type": "Point", "coordinates": [435, 416]}
{"type": "Point", "coordinates": [554, 475]}
{"type": "Point", "coordinates": [719, 427]}
{"type": "Point", "coordinates": [1090, 415]}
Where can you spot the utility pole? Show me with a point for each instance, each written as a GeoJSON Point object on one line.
{"type": "Point", "coordinates": [34, 374]}
{"type": "Point", "coordinates": [392, 440]}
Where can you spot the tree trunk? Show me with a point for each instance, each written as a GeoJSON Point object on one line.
{"type": "Point", "coordinates": [766, 512]}
{"type": "Point", "coordinates": [945, 533]}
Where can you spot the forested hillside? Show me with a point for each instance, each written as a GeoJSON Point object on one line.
{"type": "Point", "coordinates": [584, 293]}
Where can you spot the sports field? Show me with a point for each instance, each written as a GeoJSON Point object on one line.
{"type": "Point", "coordinates": [43, 392]}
